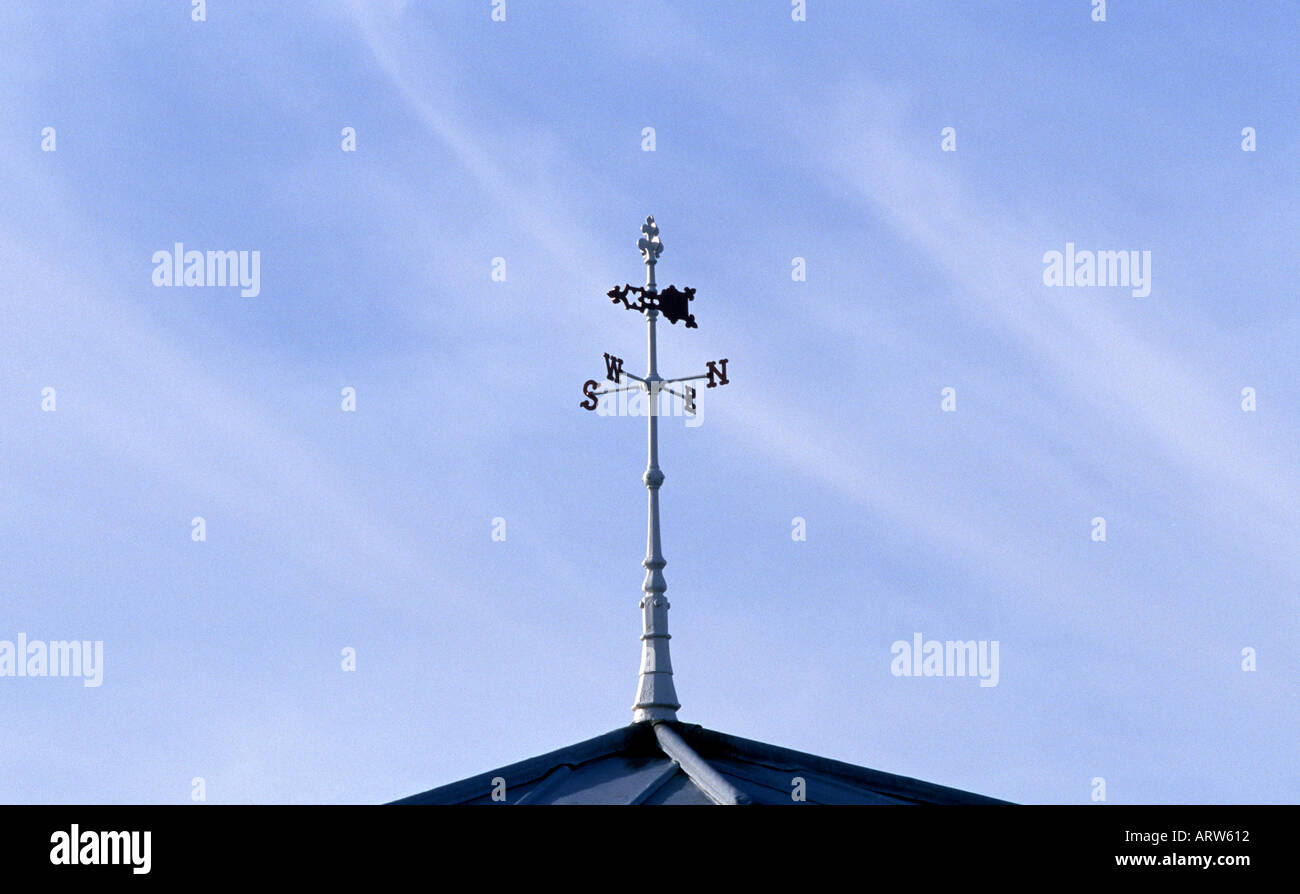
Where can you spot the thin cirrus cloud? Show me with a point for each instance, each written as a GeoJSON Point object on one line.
{"type": "Point", "coordinates": [1086, 349]}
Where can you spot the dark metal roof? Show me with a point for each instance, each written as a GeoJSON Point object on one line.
{"type": "Point", "coordinates": [677, 763]}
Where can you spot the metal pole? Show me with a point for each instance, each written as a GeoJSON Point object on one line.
{"type": "Point", "coordinates": [656, 698]}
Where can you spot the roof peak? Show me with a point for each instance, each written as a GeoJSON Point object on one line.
{"type": "Point", "coordinates": [680, 763]}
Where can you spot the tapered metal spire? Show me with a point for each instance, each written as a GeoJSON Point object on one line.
{"type": "Point", "coordinates": [656, 697]}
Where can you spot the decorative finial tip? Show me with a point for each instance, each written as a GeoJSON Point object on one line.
{"type": "Point", "coordinates": [649, 243]}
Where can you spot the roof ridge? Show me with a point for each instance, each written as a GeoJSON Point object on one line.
{"type": "Point", "coordinates": [779, 757]}
{"type": "Point", "coordinates": [529, 770]}
{"type": "Point", "coordinates": [696, 768]}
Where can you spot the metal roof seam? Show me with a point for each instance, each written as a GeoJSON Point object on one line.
{"type": "Point", "coordinates": [657, 783]}
{"type": "Point", "coordinates": [546, 784]}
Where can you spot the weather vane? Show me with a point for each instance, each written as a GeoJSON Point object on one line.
{"type": "Point", "coordinates": [656, 698]}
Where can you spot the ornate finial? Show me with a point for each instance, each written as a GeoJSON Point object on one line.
{"type": "Point", "coordinates": [651, 247]}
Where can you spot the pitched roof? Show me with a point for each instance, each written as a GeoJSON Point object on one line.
{"type": "Point", "coordinates": [677, 763]}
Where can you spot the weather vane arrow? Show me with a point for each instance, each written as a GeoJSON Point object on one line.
{"type": "Point", "coordinates": [656, 698]}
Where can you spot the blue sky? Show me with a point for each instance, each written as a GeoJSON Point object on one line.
{"type": "Point", "coordinates": [523, 140]}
